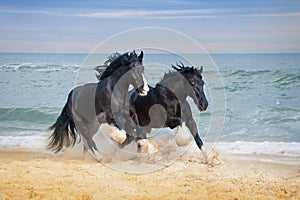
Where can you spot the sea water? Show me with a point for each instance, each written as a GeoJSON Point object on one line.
{"type": "Point", "coordinates": [262, 98]}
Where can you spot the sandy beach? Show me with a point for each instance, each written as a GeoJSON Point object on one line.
{"type": "Point", "coordinates": [41, 175]}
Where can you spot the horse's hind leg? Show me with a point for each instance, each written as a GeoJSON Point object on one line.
{"type": "Point", "coordinates": [182, 135]}
{"type": "Point", "coordinates": [87, 131]}
{"type": "Point", "coordinates": [90, 146]}
{"type": "Point", "coordinates": [145, 145]}
{"type": "Point", "coordinates": [148, 149]}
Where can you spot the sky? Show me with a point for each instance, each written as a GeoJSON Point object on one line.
{"type": "Point", "coordinates": [73, 26]}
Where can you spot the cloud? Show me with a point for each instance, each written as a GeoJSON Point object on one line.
{"type": "Point", "coordinates": [21, 11]}
{"type": "Point", "coordinates": [293, 14]}
{"type": "Point", "coordinates": [178, 14]}
{"type": "Point", "coordinates": [113, 13]}
{"type": "Point", "coordinates": [151, 14]}
{"type": "Point", "coordinates": [147, 13]}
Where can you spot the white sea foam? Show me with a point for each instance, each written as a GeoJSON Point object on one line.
{"type": "Point", "coordinates": [38, 140]}
{"type": "Point", "coordinates": [32, 141]}
{"type": "Point", "coordinates": [262, 148]}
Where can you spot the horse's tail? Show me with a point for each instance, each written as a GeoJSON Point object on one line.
{"type": "Point", "coordinates": [64, 130]}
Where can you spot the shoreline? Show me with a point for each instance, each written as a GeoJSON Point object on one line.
{"type": "Point", "coordinates": [29, 154]}
{"type": "Point", "coordinates": [40, 174]}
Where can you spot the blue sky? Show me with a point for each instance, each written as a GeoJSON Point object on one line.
{"type": "Point", "coordinates": [220, 26]}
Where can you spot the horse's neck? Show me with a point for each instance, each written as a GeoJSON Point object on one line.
{"type": "Point", "coordinates": [119, 89]}
{"type": "Point", "coordinates": [115, 81]}
{"type": "Point", "coordinates": [176, 84]}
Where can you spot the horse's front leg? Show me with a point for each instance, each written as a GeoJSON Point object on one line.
{"type": "Point", "coordinates": [117, 135]}
{"type": "Point", "coordinates": [191, 124]}
{"type": "Point", "coordinates": [115, 132]}
{"type": "Point", "coordinates": [139, 133]}
{"type": "Point", "coordinates": [212, 157]}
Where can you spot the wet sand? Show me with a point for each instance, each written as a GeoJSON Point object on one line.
{"type": "Point", "coordinates": [42, 175]}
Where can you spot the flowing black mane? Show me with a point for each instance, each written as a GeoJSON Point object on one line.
{"type": "Point", "coordinates": [180, 68]}
{"type": "Point", "coordinates": [113, 62]}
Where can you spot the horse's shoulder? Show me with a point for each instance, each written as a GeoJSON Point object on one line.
{"type": "Point", "coordinates": [84, 87]}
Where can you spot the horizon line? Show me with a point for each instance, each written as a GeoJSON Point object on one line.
{"type": "Point", "coordinates": [259, 52]}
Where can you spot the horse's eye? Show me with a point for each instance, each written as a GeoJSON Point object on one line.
{"type": "Point", "coordinates": [192, 82]}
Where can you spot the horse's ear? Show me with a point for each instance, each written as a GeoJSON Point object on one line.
{"type": "Point", "coordinates": [201, 70]}
{"type": "Point", "coordinates": [141, 56]}
{"type": "Point", "coordinates": [177, 69]}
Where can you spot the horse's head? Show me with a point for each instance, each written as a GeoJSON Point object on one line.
{"type": "Point", "coordinates": [128, 68]}
{"type": "Point", "coordinates": [194, 79]}
{"type": "Point", "coordinates": [136, 74]}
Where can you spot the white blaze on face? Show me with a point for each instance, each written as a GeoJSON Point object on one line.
{"type": "Point", "coordinates": [145, 87]}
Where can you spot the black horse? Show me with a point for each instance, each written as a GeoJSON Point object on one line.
{"type": "Point", "coordinates": [165, 105]}
{"type": "Point", "coordinates": [93, 104]}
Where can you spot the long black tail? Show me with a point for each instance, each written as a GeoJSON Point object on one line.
{"type": "Point", "coordinates": [64, 131]}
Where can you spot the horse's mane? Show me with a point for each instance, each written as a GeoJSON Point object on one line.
{"type": "Point", "coordinates": [180, 68]}
{"type": "Point", "coordinates": [113, 62]}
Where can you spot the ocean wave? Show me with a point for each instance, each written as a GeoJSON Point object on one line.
{"type": "Point", "coordinates": [35, 115]}
{"type": "Point", "coordinates": [277, 120]}
{"type": "Point", "coordinates": [276, 77]}
{"type": "Point", "coordinates": [236, 87]}
{"type": "Point", "coordinates": [247, 73]}
{"type": "Point", "coordinates": [40, 67]}
{"type": "Point", "coordinates": [277, 115]}
{"type": "Point", "coordinates": [286, 80]}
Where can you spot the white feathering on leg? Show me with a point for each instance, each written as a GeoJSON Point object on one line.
{"type": "Point", "coordinates": [182, 135]}
{"type": "Point", "coordinates": [117, 135]}
{"type": "Point", "coordinates": [148, 146]}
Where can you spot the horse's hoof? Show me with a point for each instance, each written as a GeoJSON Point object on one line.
{"type": "Point", "coordinates": [212, 158]}
{"type": "Point", "coordinates": [152, 146]}
{"type": "Point", "coordinates": [95, 154]}
{"type": "Point", "coordinates": [147, 146]}
{"type": "Point", "coordinates": [118, 136]}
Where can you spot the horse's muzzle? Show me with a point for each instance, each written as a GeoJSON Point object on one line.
{"type": "Point", "coordinates": [143, 90]}
{"type": "Point", "coordinates": [203, 107]}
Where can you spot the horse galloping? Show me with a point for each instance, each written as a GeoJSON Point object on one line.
{"type": "Point", "coordinates": [165, 105]}
{"type": "Point", "coordinates": [90, 105]}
